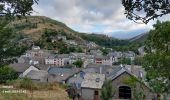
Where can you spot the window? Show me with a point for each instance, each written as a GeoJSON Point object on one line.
{"type": "Point", "coordinates": [97, 79]}
{"type": "Point", "coordinates": [96, 92]}
{"type": "Point", "coordinates": [124, 92]}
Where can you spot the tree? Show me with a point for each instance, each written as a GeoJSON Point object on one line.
{"type": "Point", "coordinates": [107, 91]}
{"type": "Point", "coordinates": [9, 49]}
{"type": "Point", "coordinates": [8, 45]}
{"type": "Point", "coordinates": [123, 60]}
{"type": "Point", "coordinates": [13, 8]}
{"type": "Point", "coordinates": [138, 60]}
{"type": "Point", "coordinates": [145, 10]}
{"type": "Point", "coordinates": [157, 59]}
{"type": "Point", "coordinates": [105, 51]}
{"type": "Point", "coordinates": [79, 49]}
{"type": "Point", "coordinates": [78, 63]}
{"type": "Point", "coordinates": [8, 39]}
{"type": "Point", "coordinates": [7, 74]}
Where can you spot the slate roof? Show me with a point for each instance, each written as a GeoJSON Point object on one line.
{"type": "Point", "coordinates": [116, 54]}
{"type": "Point", "coordinates": [93, 80]}
{"type": "Point", "coordinates": [62, 56]}
{"type": "Point", "coordinates": [37, 75]}
{"type": "Point", "coordinates": [102, 57]}
{"type": "Point", "coordinates": [98, 68]}
{"type": "Point", "coordinates": [62, 74]}
{"type": "Point", "coordinates": [42, 66]}
{"type": "Point", "coordinates": [118, 71]}
{"type": "Point", "coordinates": [19, 67]}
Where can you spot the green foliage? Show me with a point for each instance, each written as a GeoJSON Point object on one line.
{"type": "Point", "coordinates": [79, 50]}
{"type": "Point", "coordinates": [49, 33]}
{"type": "Point", "coordinates": [138, 60]}
{"type": "Point", "coordinates": [105, 51]}
{"type": "Point", "coordinates": [78, 63]}
{"type": "Point", "coordinates": [157, 59]}
{"type": "Point", "coordinates": [103, 40]}
{"type": "Point", "coordinates": [145, 10]}
{"type": "Point", "coordinates": [9, 48]}
{"type": "Point", "coordinates": [137, 87]}
{"type": "Point", "coordinates": [16, 7]}
{"type": "Point", "coordinates": [132, 46]}
{"type": "Point", "coordinates": [7, 74]}
{"type": "Point", "coordinates": [123, 60]}
{"type": "Point", "coordinates": [107, 91]}
{"type": "Point", "coordinates": [47, 42]}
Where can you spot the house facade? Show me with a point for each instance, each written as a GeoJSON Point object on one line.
{"type": "Point", "coordinates": [91, 86]}
{"type": "Point", "coordinates": [126, 86]}
{"type": "Point", "coordinates": [54, 60]}
{"type": "Point", "coordinates": [104, 60]}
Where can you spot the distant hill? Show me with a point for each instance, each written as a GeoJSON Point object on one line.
{"type": "Point", "coordinates": [139, 39]}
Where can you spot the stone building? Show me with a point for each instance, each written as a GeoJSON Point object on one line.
{"type": "Point", "coordinates": [127, 86]}
{"type": "Point", "coordinates": [91, 86]}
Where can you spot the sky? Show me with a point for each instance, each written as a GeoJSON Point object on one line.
{"type": "Point", "coordinates": [93, 16]}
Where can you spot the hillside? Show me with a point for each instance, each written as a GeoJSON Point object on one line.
{"type": "Point", "coordinates": [103, 40]}
{"type": "Point", "coordinates": [44, 32]}
{"type": "Point", "coordinates": [34, 27]}
{"type": "Point", "coordinates": [140, 39]}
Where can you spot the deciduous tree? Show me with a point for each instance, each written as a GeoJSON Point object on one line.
{"type": "Point", "coordinates": [157, 59]}
{"type": "Point", "coordinates": [145, 10]}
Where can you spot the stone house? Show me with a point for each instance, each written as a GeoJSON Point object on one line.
{"type": "Point", "coordinates": [28, 70]}
{"type": "Point", "coordinates": [34, 53]}
{"type": "Point", "coordinates": [35, 48]}
{"type": "Point", "coordinates": [76, 56]}
{"type": "Point", "coordinates": [71, 42]}
{"type": "Point", "coordinates": [19, 67]}
{"type": "Point", "coordinates": [57, 60]}
{"type": "Point", "coordinates": [126, 89]}
{"type": "Point", "coordinates": [96, 52]}
{"type": "Point", "coordinates": [104, 60]}
{"type": "Point", "coordinates": [76, 80]}
{"type": "Point", "coordinates": [91, 86]}
{"type": "Point", "coordinates": [115, 56]}
{"type": "Point", "coordinates": [91, 45]}
{"type": "Point", "coordinates": [37, 75]}
{"type": "Point", "coordinates": [129, 54]}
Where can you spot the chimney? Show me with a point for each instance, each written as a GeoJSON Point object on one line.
{"type": "Point", "coordinates": [100, 70]}
{"type": "Point", "coordinates": [133, 68]}
{"type": "Point", "coordinates": [140, 75]}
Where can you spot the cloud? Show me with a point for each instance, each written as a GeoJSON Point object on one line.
{"type": "Point", "coordinates": [101, 16]}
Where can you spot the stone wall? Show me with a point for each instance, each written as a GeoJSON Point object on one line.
{"type": "Point", "coordinates": [120, 81]}
{"type": "Point", "coordinates": [88, 94]}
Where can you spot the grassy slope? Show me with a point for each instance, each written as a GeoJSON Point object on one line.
{"type": "Point", "coordinates": [42, 24]}
{"type": "Point", "coordinates": [36, 95]}
{"type": "Point", "coordinates": [40, 91]}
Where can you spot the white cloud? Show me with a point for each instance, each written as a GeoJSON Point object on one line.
{"type": "Point", "coordinates": [87, 15]}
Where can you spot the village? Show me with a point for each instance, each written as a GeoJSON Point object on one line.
{"type": "Point", "coordinates": [84, 50]}
{"type": "Point", "coordinates": [86, 73]}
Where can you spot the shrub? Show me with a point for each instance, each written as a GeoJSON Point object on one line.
{"type": "Point", "coordinates": [6, 74]}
